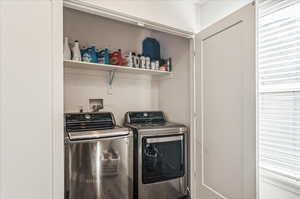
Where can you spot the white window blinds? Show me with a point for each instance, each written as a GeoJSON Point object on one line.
{"type": "Point", "coordinates": [279, 87]}
{"type": "Point", "coordinates": [267, 7]}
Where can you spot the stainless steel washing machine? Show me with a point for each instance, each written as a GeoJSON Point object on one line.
{"type": "Point", "coordinates": [98, 157]}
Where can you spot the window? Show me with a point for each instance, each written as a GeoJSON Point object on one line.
{"type": "Point", "coordinates": [279, 88]}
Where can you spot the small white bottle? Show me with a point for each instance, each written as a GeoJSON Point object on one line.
{"type": "Point", "coordinates": [76, 52]}
{"type": "Point", "coordinates": [129, 59]}
{"type": "Point", "coordinates": [67, 50]}
{"type": "Point", "coordinates": [143, 62]}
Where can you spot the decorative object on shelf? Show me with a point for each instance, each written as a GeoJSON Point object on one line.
{"type": "Point", "coordinates": [142, 62]}
{"type": "Point", "coordinates": [116, 58]}
{"type": "Point", "coordinates": [129, 59]}
{"type": "Point", "coordinates": [90, 54]}
{"type": "Point", "coordinates": [153, 65]}
{"type": "Point", "coordinates": [148, 63]}
{"type": "Point", "coordinates": [169, 64]}
{"type": "Point", "coordinates": [136, 61]}
{"type": "Point", "coordinates": [67, 50]}
{"type": "Point", "coordinates": [93, 53]}
{"type": "Point", "coordinates": [103, 56]}
{"type": "Point", "coordinates": [166, 64]}
{"type": "Point", "coordinates": [151, 48]}
{"type": "Point", "coordinates": [76, 52]}
{"type": "Point", "coordinates": [157, 65]}
{"type": "Point", "coordinates": [84, 55]}
{"type": "Point", "coordinates": [163, 68]}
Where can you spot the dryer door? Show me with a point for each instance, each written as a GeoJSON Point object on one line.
{"type": "Point", "coordinates": [162, 158]}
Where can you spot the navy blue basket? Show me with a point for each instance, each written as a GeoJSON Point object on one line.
{"type": "Point", "coordinates": [151, 48]}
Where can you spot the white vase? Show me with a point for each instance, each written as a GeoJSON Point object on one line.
{"type": "Point", "coordinates": [76, 52]}
{"type": "Point", "coordinates": [67, 50]}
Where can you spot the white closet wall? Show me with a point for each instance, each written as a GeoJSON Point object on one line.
{"type": "Point", "coordinates": [129, 92]}
{"type": "Point", "coordinates": [174, 93]}
{"type": "Point", "coordinates": [29, 110]}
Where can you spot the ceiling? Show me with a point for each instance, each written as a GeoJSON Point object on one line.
{"type": "Point", "coordinates": [169, 1]}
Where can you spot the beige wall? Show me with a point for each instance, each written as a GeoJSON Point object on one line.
{"type": "Point", "coordinates": [30, 58]}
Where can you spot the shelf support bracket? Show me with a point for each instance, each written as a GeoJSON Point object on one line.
{"type": "Point", "coordinates": [111, 77]}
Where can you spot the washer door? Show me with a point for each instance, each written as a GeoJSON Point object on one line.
{"type": "Point", "coordinates": [100, 169]}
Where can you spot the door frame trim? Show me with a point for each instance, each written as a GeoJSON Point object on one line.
{"type": "Point", "coordinates": [205, 34]}
{"type": "Point", "coordinates": [58, 79]}
{"type": "Point", "coordinates": [57, 100]}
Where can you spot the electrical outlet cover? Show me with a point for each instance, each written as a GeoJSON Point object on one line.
{"type": "Point", "coordinates": [95, 105]}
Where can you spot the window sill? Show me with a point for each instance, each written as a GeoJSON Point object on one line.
{"type": "Point", "coordinates": [282, 182]}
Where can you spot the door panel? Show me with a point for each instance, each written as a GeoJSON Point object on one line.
{"type": "Point", "coordinates": [220, 95]}
{"type": "Point", "coordinates": [225, 108]}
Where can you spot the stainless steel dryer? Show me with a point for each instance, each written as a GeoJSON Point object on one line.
{"type": "Point", "coordinates": [98, 157]}
{"type": "Point", "coordinates": [160, 156]}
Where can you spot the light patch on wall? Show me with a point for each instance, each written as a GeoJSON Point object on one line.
{"type": "Point", "coordinates": [212, 11]}
{"type": "Point", "coordinates": [158, 1]}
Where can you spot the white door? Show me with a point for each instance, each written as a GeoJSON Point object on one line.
{"type": "Point", "coordinates": [225, 108]}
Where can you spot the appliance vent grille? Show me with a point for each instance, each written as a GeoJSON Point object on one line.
{"type": "Point", "coordinates": [89, 121]}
